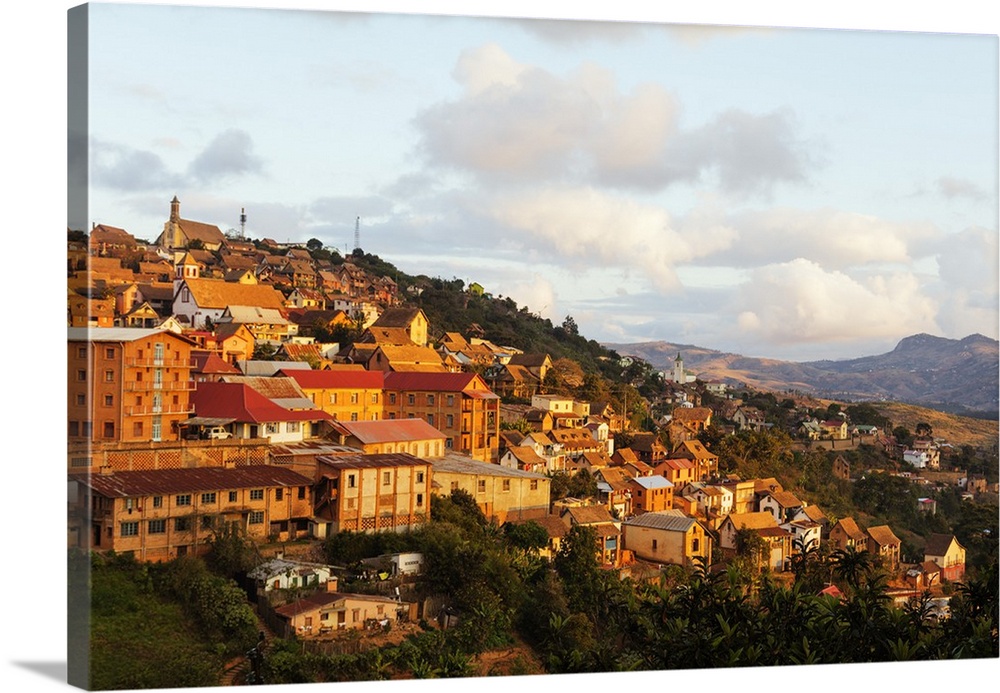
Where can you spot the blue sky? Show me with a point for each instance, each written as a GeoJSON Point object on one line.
{"type": "Point", "coordinates": [790, 193]}
{"type": "Point", "coordinates": [793, 193]}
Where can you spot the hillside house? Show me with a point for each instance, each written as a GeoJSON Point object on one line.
{"type": "Point", "coordinates": [667, 537]}
{"type": "Point", "coordinates": [501, 493]}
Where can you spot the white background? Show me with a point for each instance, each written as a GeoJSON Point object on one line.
{"type": "Point", "coordinates": [33, 42]}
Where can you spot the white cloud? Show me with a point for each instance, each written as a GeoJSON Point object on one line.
{"type": "Point", "coordinates": [801, 302]}
{"type": "Point", "coordinates": [585, 227]}
{"type": "Point", "coordinates": [515, 121]}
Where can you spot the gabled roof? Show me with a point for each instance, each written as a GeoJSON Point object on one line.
{"type": "Point", "coordinates": [437, 382]}
{"type": "Point", "coordinates": [588, 515]}
{"type": "Point", "coordinates": [210, 363]}
{"type": "Point", "coordinates": [196, 230]}
{"type": "Point", "coordinates": [118, 334]}
{"type": "Point", "coordinates": [240, 402]}
{"type": "Point", "coordinates": [938, 544]}
{"type": "Point", "coordinates": [652, 482]}
{"type": "Point", "coordinates": [883, 535]}
{"type": "Point", "coordinates": [253, 314]}
{"type": "Point", "coordinates": [665, 520]}
{"type": "Point", "coordinates": [786, 499]}
{"type": "Point", "coordinates": [682, 414]}
{"type": "Point", "coordinates": [273, 387]}
{"type": "Point", "coordinates": [849, 527]}
{"type": "Point", "coordinates": [320, 599]}
{"type": "Point", "coordinates": [526, 455]}
{"type": "Point", "coordinates": [214, 293]}
{"type": "Point", "coordinates": [554, 527]}
{"type": "Point", "coordinates": [398, 317]}
{"type": "Point", "coordinates": [756, 520]}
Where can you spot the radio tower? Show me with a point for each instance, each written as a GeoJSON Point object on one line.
{"type": "Point", "coordinates": [357, 233]}
{"type": "Point", "coordinates": [243, 223]}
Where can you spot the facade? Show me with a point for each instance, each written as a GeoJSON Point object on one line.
{"type": "Point", "coordinates": [651, 494]}
{"type": "Point", "coordinates": [346, 395]}
{"type": "Point", "coordinates": [501, 493]}
{"type": "Point", "coordinates": [387, 492]}
{"type": "Point", "coordinates": [128, 384]}
{"type": "Point", "coordinates": [667, 537]}
{"type": "Point", "coordinates": [883, 543]}
{"type": "Point", "coordinates": [847, 536]}
{"type": "Point", "coordinates": [460, 405]}
{"type": "Point", "coordinates": [245, 413]}
{"type": "Point", "coordinates": [948, 554]}
{"type": "Point", "coordinates": [413, 436]}
{"type": "Point", "coordinates": [164, 513]}
{"type": "Point", "coordinates": [324, 612]}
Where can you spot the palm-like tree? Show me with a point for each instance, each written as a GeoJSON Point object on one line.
{"type": "Point", "coordinates": [851, 565]}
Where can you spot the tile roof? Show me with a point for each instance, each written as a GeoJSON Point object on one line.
{"type": "Point", "coordinates": [435, 382]}
{"type": "Point", "coordinates": [397, 317]}
{"type": "Point", "coordinates": [756, 520]}
{"type": "Point", "coordinates": [196, 479]}
{"type": "Point", "coordinates": [938, 544]}
{"type": "Point", "coordinates": [850, 528]}
{"type": "Point", "coordinates": [273, 387]}
{"type": "Point", "coordinates": [215, 293]}
{"type": "Point", "coordinates": [883, 535]}
{"type": "Point", "coordinates": [554, 526]}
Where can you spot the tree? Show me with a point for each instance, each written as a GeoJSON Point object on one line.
{"type": "Point", "coordinates": [570, 327]}
{"type": "Point", "coordinates": [314, 244]}
{"type": "Point", "coordinates": [526, 536]}
{"type": "Point", "coordinates": [924, 430]}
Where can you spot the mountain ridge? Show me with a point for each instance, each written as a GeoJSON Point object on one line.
{"type": "Point", "coordinates": [952, 375]}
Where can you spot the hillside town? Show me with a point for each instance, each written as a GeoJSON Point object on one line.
{"type": "Point", "coordinates": [288, 394]}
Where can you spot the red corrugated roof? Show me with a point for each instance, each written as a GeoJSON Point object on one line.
{"type": "Point", "coordinates": [391, 430]}
{"type": "Point", "coordinates": [439, 382]}
{"type": "Point", "coordinates": [242, 403]}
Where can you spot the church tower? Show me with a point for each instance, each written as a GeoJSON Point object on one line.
{"type": "Point", "coordinates": [679, 369]}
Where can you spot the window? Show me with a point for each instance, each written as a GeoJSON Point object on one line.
{"type": "Point", "coordinates": [157, 526]}
{"type": "Point", "coordinates": [81, 400]}
{"type": "Point", "coordinates": [256, 517]}
{"type": "Point", "coordinates": [129, 529]}
{"type": "Point", "coordinates": [451, 400]}
{"type": "Point", "coordinates": [454, 486]}
{"type": "Point", "coordinates": [354, 416]}
{"type": "Point", "coordinates": [451, 421]}
{"type": "Point", "coordinates": [81, 352]}
{"type": "Point", "coordinates": [430, 419]}
{"type": "Point", "coordinates": [420, 499]}
{"type": "Point", "coordinates": [208, 498]}
{"type": "Point", "coordinates": [157, 501]}
{"type": "Point", "coordinates": [534, 484]}
{"type": "Point", "coordinates": [430, 400]}
{"type": "Point", "coordinates": [292, 427]}
{"type": "Point", "coordinates": [207, 521]}
{"type": "Point", "coordinates": [270, 428]}
{"type": "Point", "coordinates": [392, 398]}
{"type": "Point", "coordinates": [481, 486]}
{"type": "Point", "coordinates": [256, 494]}
{"type": "Point", "coordinates": [354, 398]}
{"type": "Point", "coordinates": [411, 399]}
{"type": "Point", "coordinates": [85, 429]}
{"type": "Point", "coordinates": [279, 494]}
{"type": "Point", "coordinates": [109, 376]}
{"type": "Point", "coordinates": [109, 429]}
{"type": "Point", "coordinates": [109, 353]}
{"type": "Point", "coordinates": [420, 477]}
{"type": "Point", "coordinates": [351, 481]}
{"type": "Point", "coordinates": [182, 524]}
{"type": "Point", "coordinates": [81, 375]}
{"type": "Point", "coordinates": [654, 544]}
{"type": "Point", "coordinates": [109, 400]}
{"type": "Point", "coordinates": [233, 496]}
{"type": "Point", "coordinates": [183, 499]}
{"type": "Point", "coordinates": [386, 478]}
{"type": "Point", "coordinates": [374, 398]}
{"type": "Point", "coordinates": [506, 484]}
{"type": "Point", "coordinates": [333, 398]}
{"type": "Point", "coordinates": [694, 545]}
{"type": "Point", "coordinates": [137, 428]}
{"type": "Point", "coordinates": [302, 492]}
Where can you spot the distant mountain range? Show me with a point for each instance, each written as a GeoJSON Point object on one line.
{"type": "Point", "coordinates": [958, 376]}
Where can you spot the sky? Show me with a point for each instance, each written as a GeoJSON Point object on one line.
{"type": "Point", "coordinates": [776, 192]}
{"type": "Point", "coordinates": [785, 193]}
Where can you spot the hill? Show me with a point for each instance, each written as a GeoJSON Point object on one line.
{"type": "Point", "coordinates": [957, 376]}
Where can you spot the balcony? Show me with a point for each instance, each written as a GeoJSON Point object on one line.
{"type": "Point", "coordinates": [167, 386]}
{"type": "Point", "coordinates": [159, 363]}
{"type": "Point", "coordinates": [163, 409]}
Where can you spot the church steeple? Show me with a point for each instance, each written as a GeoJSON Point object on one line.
{"type": "Point", "coordinates": [175, 209]}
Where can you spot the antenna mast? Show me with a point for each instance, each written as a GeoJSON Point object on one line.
{"type": "Point", "coordinates": [357, 233]}
{"type": "Point", "coordinates": [243, 223]}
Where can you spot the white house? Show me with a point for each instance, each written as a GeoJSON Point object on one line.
{"type": "Point", "coordinates": [280, 573]}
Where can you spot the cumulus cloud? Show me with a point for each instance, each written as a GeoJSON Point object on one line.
{"type": "Point", "coordinates": [230, 153]}
{"type": "Point", "coordinates": [587, 227]}
{"type": "Point", "coordinates": [517, 121]}
{"type": "Point", "coordinates": [127, 169]}
{"type": "Point", "coordinates": [801, 302]}
{"type": "Point", "coordinates": [839, 239]}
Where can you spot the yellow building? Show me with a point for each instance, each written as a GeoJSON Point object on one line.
{"type": "Point", "coordinates": [346, 395]}
{"type": "Point", "coordinates": [500, 492]}
{"type": "Point", "coordinates": [667, 537]}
